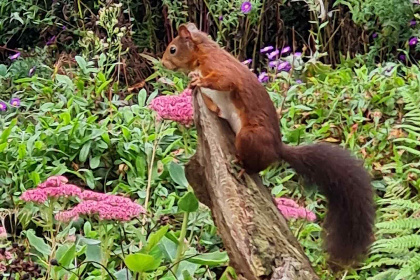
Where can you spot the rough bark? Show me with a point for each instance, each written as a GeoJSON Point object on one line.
{"type": "Point", "coordinates": [257, 238]}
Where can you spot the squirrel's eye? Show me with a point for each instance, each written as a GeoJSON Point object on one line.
{"type": "Point", "coordinates": [172, 50]}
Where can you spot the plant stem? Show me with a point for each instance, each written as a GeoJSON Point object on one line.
{"type": "Point", "coordinates": [180, 251]}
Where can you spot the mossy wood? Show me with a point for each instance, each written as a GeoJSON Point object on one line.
{"type": "Point", "coordinates": [257, 238]}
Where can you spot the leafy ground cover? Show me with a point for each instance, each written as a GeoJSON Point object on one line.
{"type": "Point", "coordinates": [123, 208]}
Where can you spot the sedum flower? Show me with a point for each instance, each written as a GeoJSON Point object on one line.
{"type": "Point", "coordinates": [42, 194]}
{"type": "Point", "coordinates": [291, 210]}
{"type": "Point", "coordinates": [177, 108]}
{"type": "Point", "coordinates": [105, 206]}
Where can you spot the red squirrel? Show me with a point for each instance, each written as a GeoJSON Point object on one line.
{"type": "Point", "coordinates": [232, 91]}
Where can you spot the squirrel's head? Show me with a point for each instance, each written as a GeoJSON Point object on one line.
{"type": "Point", "coordinates": [181, 53]}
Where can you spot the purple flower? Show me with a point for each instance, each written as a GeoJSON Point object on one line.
{"type": "Point", "coordinates": [246, 62]}
{"type": "Point", "coordinates": [375, 35]}
{"type": "Point", "coordinates": [3, 106]}
{"type": "Point", "coordinates": [266, 49]}
{"type": "Point", "coordinates": [263, 77]}
{"type": "Point", "coordinates": [51, 40]}
{"type": "Point", "coordinates": [221, 17]}
{"type": "Point", "coordinates": [273, 63]}
{"type": "Point", "coordinates": [298, 81]}
{"type": "Point", "coordinates": [15, 102]}
{"type": "Point", "coordinates": [31, 71]}
{"type": "Point", "coordinates": [298, 54]}
{"type": "Point", "coordinates": [285, 50]}
{"type": "Point", "coordinates": [284, 66]}
{"type": "Point", "coordinates": [246, 7]}
{"type": "Point", "coordinates": [402, 57]}
{"type": "Point", "coordinates": [413, 22]}
{"type": "Point", "coordinates": [413, 41]}
{"type": "Point", "coordinates": [273, 54]}
{"type": "Point", "coordinates": [16, 55]}
{"type": "Point", "coordinates": [64, 27]}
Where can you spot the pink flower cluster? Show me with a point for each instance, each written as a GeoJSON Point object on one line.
{"type": "Point", "coordinates": [290, 209]}
{"type": "Point", "coordinates": [53, 187]}
{"type": "Point", "coordinates": [106, 206]}
{"type": "Point", "coordinates": [178, 108]}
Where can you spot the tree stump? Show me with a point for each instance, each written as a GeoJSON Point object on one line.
{"type": "Point", "coordinates": [257, 238]}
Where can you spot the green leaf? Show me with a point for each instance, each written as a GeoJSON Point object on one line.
{"type": "Point", "coordinates": [84, 152]}
{"type": "Point", "coordinates": [6, 133]}
{"type": "Point", "coordinates": [177, 174]}
{"type": "Point", "coordinates": [3, 70]}
{"type": "Point", "coordinates": [123, 274]}
{"type": "Point", "coordinates": [81, 62]}
{"type": "Point", "coordinates": [229, 274]}
{"type": "Point", "coordinates": [188, 202]}
{"type": "Point", "coordinates": [168, 248]}
{"type": "Point", "coordinates": [142, 97]}
{"type": "Point", "coordinates": [38, 243]}
{"type": "Point", "coordinates": [94, 162]}
{"type": "Point", "coordinates": [210, 259]}
{"type": "Point", "coordinates": [155, 237]}
{"type": "Point", "coordinates": [93, 253]}
{"type": "Point", "coordinates": [67, 257]}
{"type": "Point", "coordinates": [152, 96]}
{"type": "Point", "coordinates": [65, 80]}
{"type": "Point", "coordinates": [185, 270]}
{"type": "Point", "coordinates": [90, 180]}
{"type": "Point", "coordinates": [141, 262]}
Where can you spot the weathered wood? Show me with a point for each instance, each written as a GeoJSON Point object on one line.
{"type": "Point", "coordinates": [257, 238]}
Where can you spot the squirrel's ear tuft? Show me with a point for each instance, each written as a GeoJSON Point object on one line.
{"type": "Point", "coordinates": [191, 27]}
{"type": "Point", "coordinates": [183, 32]}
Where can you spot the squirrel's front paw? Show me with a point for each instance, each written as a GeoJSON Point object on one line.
{"type": "Point", "coordinates": [195, 79]}
{"type": "Point", "coordinates": [193, 74]}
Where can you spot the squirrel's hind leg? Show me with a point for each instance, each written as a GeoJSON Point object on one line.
{"type": "Point", "coordinates": [256, 148]}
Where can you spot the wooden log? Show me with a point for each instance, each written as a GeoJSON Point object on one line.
{"type": "Point", "coordinates": [257, 238]}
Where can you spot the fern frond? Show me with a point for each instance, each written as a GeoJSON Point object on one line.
{"type": "Point", "coordinates": [389, 274]}
{"type": "Point", "coordinates": [398, 244]}
{"type": "Point", "coordinates": [386, 261]}
{"type": "Point", "coordinates": [411, 268]}
{"type": "Point", "coordinates": [405, 204]}
{"type": "Point", "coordinates": [408, 223]}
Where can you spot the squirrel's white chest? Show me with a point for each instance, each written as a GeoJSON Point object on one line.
{"type": "Point", "coordinates": [227, 109]}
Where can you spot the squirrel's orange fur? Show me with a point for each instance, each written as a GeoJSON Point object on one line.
{"type": "Point", "coordinates": [232, 91]}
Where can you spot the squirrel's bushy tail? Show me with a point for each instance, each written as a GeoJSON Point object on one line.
{"type": "Point", "coordinates": [348, 226]}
